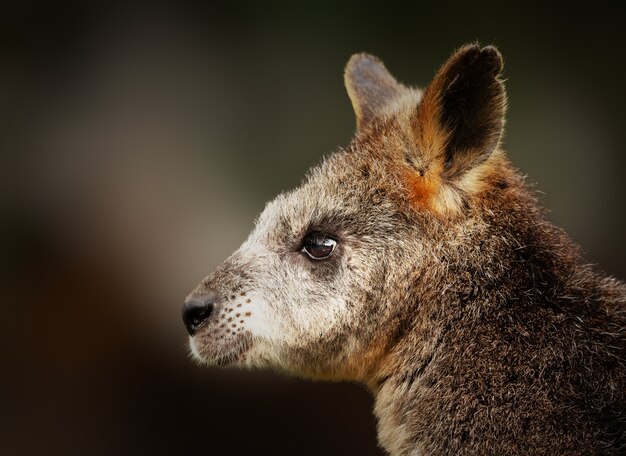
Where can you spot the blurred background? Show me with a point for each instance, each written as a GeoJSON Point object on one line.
{"type": "Point", "coordinates": [140, 140]}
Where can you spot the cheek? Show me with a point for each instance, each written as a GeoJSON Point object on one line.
{"type": "Point", "coordinates": [292, 314]}
{"type": "Point", "coordinates": [294, 301]}
{"type": "Point", "coordinates": [264, 320]}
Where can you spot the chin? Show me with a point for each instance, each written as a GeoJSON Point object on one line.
{"type": "Point", "coordinates": [220, 352]}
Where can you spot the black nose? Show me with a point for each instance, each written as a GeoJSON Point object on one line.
{"type": "Point", "coordinates": [196, 311]}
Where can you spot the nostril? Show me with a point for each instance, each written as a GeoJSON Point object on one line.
{"type": "Point", "coordinates": [195, 312]}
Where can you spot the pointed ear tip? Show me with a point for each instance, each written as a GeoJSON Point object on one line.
{"type": "Point", "coordinates": [361, 58]}
{"type": "Point", "coordinates": [489, 56]}
{"type": "Point", "coordinates": [494, 55]}
{"type": "Point", "coordinates": [477, 47]}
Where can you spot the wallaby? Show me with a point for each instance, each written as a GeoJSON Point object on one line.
{"type": "Point", "coordinates": [417, 261]}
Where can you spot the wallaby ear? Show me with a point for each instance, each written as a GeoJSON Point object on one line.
{"type": "Point", "coordinates": [461, 114]}
{"type": "Point", "coordinates": [370, 87]}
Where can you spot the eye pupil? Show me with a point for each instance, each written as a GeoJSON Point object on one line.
{"type": "Point", "coordinates": [318, 246]}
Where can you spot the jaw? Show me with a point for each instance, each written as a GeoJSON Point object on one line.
{"type": "Point", "coordinates": [253, 353]}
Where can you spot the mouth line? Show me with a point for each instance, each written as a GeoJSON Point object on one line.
{"type": "Point", "coordinates": [232, 356]}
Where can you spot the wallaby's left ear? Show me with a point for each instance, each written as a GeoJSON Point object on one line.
{"type": "Point", "coordinates": [370, 87]}
{"type": "Point", "coordinates": [461, 114]}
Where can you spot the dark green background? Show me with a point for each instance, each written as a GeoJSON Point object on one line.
{"type": "Point", "coordinates": [140, 140]}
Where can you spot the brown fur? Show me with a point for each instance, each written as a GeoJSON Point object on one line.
{"type": "Point", "coordinates": [472, 319]}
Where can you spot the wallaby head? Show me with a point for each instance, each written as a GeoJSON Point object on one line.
{"type": "Point", "coordinates": [415, 260]}
{"type": "Point", "coordinates": [321, 287]}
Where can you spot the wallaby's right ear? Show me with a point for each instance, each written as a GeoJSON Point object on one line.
{"type": "Point", "coordinates": [370, 87]}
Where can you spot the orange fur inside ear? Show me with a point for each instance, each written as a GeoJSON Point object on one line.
{"type": "Point", "coordinates": [427, 188]}
{"type": "Point", "coordinates": [431, 140]}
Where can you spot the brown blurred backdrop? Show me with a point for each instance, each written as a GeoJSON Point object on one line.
{"type": "Point", "coordinates": [139, 141]}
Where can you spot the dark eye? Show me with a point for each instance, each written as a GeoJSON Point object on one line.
{"type": "Point", "coordinates": [318, 246]}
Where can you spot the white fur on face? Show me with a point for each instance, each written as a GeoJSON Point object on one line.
{"type": "Point", "coordinates": [286, 305]}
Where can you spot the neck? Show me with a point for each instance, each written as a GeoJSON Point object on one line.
{"type": "Point", "coordinates": [397, 387]}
